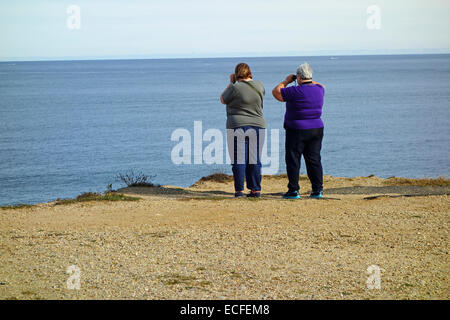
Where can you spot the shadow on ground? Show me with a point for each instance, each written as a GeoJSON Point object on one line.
{"type": "Point", "coordinates": [398, 190]}
{"type": "Point", "coordinates": [173, 192]}
{"type": "Point", "coordinates": [372, 192]}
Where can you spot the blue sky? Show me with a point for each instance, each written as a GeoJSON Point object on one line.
{"type": "Point", "coordinates": [35, 29]}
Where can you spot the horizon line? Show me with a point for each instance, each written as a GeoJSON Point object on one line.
{"type": "Point", "coordinates": [99, 58]}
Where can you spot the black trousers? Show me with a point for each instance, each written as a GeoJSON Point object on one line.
{"type": "Point", "coordinates": [307, 143]}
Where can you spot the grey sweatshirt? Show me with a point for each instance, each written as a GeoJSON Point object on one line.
{"type": "Point", "coordinates": [244, 105]}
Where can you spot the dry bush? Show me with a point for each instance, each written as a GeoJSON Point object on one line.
{"type": "Point", "coordinates": [217, 177]}
{"type": "Point", "coordinates": [132, 179]}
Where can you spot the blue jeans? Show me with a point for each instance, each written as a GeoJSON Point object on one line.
{"type": "Point", "coordinates": [247, 165]}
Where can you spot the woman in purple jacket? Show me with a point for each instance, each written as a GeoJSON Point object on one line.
{"type": "Point", "coordinates": [304, 129]}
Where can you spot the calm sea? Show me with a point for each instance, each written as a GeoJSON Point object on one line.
{"type": "Point", "coordinates": [69, 127]}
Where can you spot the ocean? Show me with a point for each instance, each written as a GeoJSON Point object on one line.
{"type": "Point", "coordinates": [68, 127]}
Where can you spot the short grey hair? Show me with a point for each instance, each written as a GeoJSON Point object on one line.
{"type": "Point", "coordinates": [304, 71]}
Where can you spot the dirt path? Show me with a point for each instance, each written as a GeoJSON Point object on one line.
{"type": "Point", "coordinates": [191, 243]}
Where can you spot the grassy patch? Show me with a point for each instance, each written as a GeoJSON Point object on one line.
{"type": "Point", "coordinates": [407, 285]}
{"type": "Point", "coordinates": [235, 275]}
{"type": "Point", "coordinates": [175, 278]}
{"type": "Point", "coordinates": [18, 206]}
{"type": "Point", "coordinates": [90, 196]}
{"type": "Point", "coordinates": [395, 181]}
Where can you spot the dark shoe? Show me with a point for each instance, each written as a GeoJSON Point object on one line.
{"type": "Point", "coordinates": [254, 195]}
{"type": "Point", "coordinates": [239, 194]}
{"type": "Point", "coordinates": [316, 195]}
{"type": "Point", "coordinates": [291, 195]}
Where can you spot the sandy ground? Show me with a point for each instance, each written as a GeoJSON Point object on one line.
{"type": "Point", "coordinates": [199, 243]}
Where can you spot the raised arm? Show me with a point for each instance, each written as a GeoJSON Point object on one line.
{"type": "Point", "coordinates": [232, 81]}
{"type": "Point", "coordinates": [276, 92]}
{"type": "Point", "coordinates": [221, 98]}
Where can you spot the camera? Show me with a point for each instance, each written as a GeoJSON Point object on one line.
{"type": "Point", "coordinates": [294, 78]}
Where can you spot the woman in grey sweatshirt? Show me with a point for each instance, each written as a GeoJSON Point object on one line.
{"type": "Point", "coordinates": [245, 129]}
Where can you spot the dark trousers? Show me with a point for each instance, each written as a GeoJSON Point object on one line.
{"type": "Point", "coordinates": [245, 170]}
{"type": "Point", "coordinates": [307, 143]}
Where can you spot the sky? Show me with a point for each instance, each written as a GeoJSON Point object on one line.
{"type": "Point", "coordinates": [121, 29]}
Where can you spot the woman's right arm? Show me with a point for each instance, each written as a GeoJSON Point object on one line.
{"type": "Point", "coordinates": [276, 92]}
{"type": "Point", "coordinates": [232, 81]}
{"type": "Point", "coordinates": [221, 96]}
